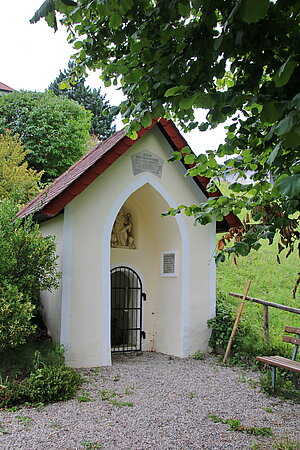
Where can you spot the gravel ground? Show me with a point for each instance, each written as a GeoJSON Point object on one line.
{"type": "Point", "coordinates": [154, 402]}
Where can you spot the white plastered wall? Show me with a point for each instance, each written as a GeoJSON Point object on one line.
{"type": "Point", "coordinates": [51, 301]}
{"type": "Point", "coordinates": [177, 309]}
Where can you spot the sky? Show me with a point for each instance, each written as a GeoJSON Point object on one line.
{"type": "Point", "coordinates": [32, 56]}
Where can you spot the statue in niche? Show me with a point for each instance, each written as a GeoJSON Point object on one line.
{"type": "Point", "coordinates": [121, 235]}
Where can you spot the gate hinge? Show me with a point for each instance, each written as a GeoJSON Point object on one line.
{"type": "Point", "coordinates": [144, 296]}
{"type": "Point", "coordinates": [143, 333]}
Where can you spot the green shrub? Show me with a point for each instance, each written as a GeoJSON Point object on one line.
{"type": "Point", "coordinates": [284, 384]}
{"type": "Point", "coordinates": [222, 325]}
{"type": "Point", "coordinates": [51, 384]}
{"type": "Point", "coordinates": [20, 362]}
{"type": "Point", "coordinates": [27, 259]}
{"type": "Point", "coordinates": [199, 355]}
{"type": "Point", "coordinates": [16, 312]}
{"type": "Point", "coordinates": [45, 385]}
{"type": "Point", "coordinates": [27, 266]}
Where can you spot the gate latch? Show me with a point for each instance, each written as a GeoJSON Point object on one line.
{"type": "Point", "coordinates": [144, 296]}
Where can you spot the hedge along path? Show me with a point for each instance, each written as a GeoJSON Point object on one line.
{"type": "Point", "coordinates": [238, 318]}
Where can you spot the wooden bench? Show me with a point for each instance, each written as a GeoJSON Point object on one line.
{"type": "Point", "coordinates": [285, 363]}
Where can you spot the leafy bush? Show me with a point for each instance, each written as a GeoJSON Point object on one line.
{"type": "Point", "coordinates": [27, 266]}
{"type": "Point", "coordinates": [199, 355]}
{"type": "Point", "coordinates": [222, 325]}
{"type": "Point", "coordinates": [51, 384]}
{"type": "Point", "coordinates": [16, 312]}
{"type": "Point", "coordinates": [27, 259]}
{"type": "Point", "coordinates": [20, 362]}
{"type": "Point", "coordinates": [44, 385]}
{"type": "Point", "coordinates": [284, 384]}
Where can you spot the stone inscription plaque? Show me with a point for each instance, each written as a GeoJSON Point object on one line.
{"type": "Point", "coordinates": [146, 161]}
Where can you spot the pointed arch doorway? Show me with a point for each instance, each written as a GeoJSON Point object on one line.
{"type": "Point", "coordinates": [126, 310]}
{"type": "Point", "coordinates": [167, 296]}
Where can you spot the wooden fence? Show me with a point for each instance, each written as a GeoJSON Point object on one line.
{"type": "Point", "coordinates": [266, 305]}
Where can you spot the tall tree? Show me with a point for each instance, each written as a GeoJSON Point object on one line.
{"type": "Point", "coordinates": [238, 59]}
{"type": "Point", "coordinates": [54, 130]}
{"type": "Point", "coordinates": [91, 99]}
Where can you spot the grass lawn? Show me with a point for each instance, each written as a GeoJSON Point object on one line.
{"type": "Point", "coordinates": [269, 281]}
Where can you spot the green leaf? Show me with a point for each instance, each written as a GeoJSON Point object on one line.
{"type": "Point", "coordinates": [44, 10]}
{"type": "Point", "coordinates": [65, 6]}
{"type": "Point", "coordinates": [158, 110]}
{"type": "Point", "coordinates": [206, 101]}
{"type": "Point", "coordinates": [242, 248]}
{"type": "Point", "coordinates": [51, 20]}
{"type": "Point", "coordinates": [115, 20]}
{"type": "Point", "coordinates": [296, 101]}
{"type": "Point", "coordinates": [203, 126]}
{"type": "Point", "coordinates": [286, 124]}
{"type": "Point", "coordinates": [252, 11]}
{"type": "Point", "coordinates": [270, 113]}
{"type": "Point", "coordinates": [284, 73]}
{"type": "Point", "coordinates": [64, 85]}
{"type": "Point", "coordinates": [135, 126]}
{"type": "Point", "coordinates": [189, 159]}
{"type": "Point", "coordinates": [136, 75]}
{"type": "Point", "coordinates": [176, 156]}
{"type": "Point", "coordinates": [186, 103]}
{"type": "Point", "coordinates": [289, 186]}
{"type": "Point", "coordinates": [219, 258]}
{"type": "Point", "coordinates": [176, 90]}
{"type": "Point", "coordinates": [184, 9]}
{"type": "Point", "coordinates": [186, 150]}
{"type": "Point", "coordinates": [77, 45]}
{"type": "Point", "coordinates": [197, 4]}
{"type": "Point", "coordinates": [146, 120]}
{"type": "Point", "coordinates": [273, 155]}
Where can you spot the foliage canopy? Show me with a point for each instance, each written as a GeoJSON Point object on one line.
{"type": "Point", "coordinates": [54, 130]}
{"type": "Point", "coordinates": [239, 60]}
{"type": "Point", "coordinates": [91, 99]}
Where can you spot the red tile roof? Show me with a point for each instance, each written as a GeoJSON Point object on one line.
{"type": "Point", "coordinates": [4, 87]}
{"type": "Point", "coordinates": [53, 199]}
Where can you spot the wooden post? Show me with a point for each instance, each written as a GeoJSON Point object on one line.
{"type": "Point", "coordinates": [238, 317]}
{"type": "Point", "coordinates": [266, 323]}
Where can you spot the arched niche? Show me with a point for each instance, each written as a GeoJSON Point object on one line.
{"type": "Point", "coordinates": [155, 236]}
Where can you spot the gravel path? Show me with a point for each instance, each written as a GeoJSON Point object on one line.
{"type": "Point", "coordinates": [154, 402]}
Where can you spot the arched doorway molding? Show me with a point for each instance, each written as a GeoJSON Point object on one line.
{"type": "Point", "coordinates": [131, 266]}
{"type": "Point", "coordinates": [143, 179]}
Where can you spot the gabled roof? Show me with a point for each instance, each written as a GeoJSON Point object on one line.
{"type": "Point", "coordinates": [52, 200]}
{"type": "Point", "coordinates": [4, 87]}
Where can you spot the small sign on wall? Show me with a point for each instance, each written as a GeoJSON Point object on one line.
{"type": "Point", "coordinates": [168, 264]}
{"type": "Point", "coordinates": [147, 161]}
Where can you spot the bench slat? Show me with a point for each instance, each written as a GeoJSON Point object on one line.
{"type": "Point", "coordinates": [295, 330]}
{"type": "Point", "coordinates": [279, 361]}
{"type": "Point", "coordinates": [291, 340]}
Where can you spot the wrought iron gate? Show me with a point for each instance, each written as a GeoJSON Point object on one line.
{"type": "Point", "coordinates": [126, 310]}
